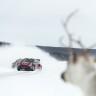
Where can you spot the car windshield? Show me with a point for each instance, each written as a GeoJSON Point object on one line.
{"type": "Point", "coordinates": [27, 60]}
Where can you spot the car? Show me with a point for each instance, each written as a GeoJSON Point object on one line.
{"type": "Point", "coordinates": [27, 64]}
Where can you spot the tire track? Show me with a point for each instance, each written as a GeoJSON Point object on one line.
{"type": "Point", "coordinates": [8, 74]}
{"type": "Point", "coordinates": [17, 73]}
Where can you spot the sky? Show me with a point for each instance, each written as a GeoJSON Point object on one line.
{"type": "Point", "coordinates": [39, 22]}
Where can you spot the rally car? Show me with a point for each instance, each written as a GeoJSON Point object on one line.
{"type": "Point", "coordinates": [27, 64]}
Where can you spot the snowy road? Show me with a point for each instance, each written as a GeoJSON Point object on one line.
{"type": "Point", "coordinates": [38, 83]}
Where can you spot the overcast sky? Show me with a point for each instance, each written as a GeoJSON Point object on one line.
{"type": "Point", "coordinates": [39, 22]}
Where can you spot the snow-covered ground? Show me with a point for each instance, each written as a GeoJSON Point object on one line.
{"type": "Point", "coordinates": [38, 83]}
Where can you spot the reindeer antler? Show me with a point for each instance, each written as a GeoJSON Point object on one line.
{"type": "Point", "coordinates": [92, 46]}
{"type": "Point", "coordinates": [66, 27]}
{"type": "Point", "coordinates": [71, 39]}
{"type": "Point", "coordinates": [79, 42]}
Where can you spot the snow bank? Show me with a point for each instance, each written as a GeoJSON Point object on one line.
{"type": "Point", "coordinates": [38, 83]}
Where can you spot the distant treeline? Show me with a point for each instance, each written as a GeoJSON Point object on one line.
{"type": "Point", "coordinates": [62, 53]}
{"type": "Point", "coordinates": [4, 43]}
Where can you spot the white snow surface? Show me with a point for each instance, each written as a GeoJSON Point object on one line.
{"type": "Point", "coordinates": [46, 82]}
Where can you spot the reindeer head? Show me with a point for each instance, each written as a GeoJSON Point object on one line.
{"type": "Point", "coordinates": [79, 63]}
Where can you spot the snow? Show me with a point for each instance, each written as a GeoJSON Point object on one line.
{"type": "Point", "coordinates": [46, 82]}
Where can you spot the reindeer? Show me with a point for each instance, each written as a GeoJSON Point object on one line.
{"type": "Point", "coordinates": [80, 70]}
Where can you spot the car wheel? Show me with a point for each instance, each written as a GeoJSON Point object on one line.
{"type": "Point", "coordinates": [19, 68]}
{"type": "Point", "coordinates": [33, 68]}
